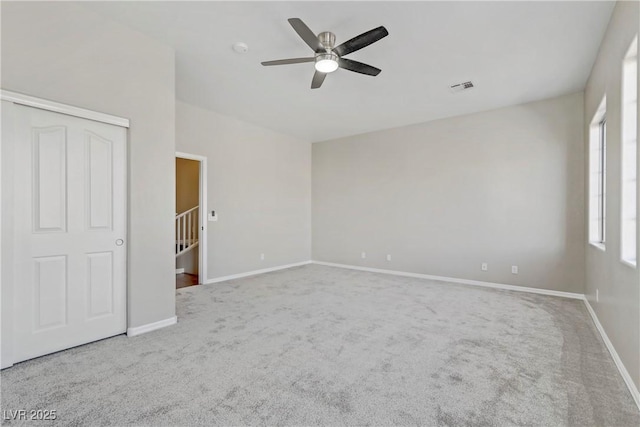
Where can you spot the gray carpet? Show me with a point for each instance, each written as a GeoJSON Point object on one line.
{"type": "Point", "coordinates": [318, 345]}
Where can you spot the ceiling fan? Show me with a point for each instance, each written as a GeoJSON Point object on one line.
{"type": "Point", "coordinates": [328, 58]}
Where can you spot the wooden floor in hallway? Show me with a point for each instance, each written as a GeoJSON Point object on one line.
{"type": "Point", "coordinates": [185, 279]}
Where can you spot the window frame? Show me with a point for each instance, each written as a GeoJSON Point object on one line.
{"type": "Point", "coordinates": [597, 201]}
{"type": "Point", "coordinates": [631, 57]}
{"type": "Point", "coordinates": [601, 237]}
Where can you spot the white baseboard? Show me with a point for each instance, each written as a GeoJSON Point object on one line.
{"type": "Point", "coordinates": [614, 354]}
{"type": "Point", "coordinates": [254, 272]}
{"type": "Point", "coordinates": [138, 330]}
{"type": "Point", "coordinates": [179, 270]}
{"type": "Point", "coordinates": [456, 280]}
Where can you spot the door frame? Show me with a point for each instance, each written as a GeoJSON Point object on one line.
{"type": "Point", "coordinates": [202, 214]}
{"type": "Point", "coordinates": [7, 302]}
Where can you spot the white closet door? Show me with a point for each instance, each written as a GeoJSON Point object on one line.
{"type": "Point", "coordinates": [70, 230]}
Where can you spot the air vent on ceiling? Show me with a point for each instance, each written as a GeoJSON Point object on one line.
{"type": "Point", "coordinates": [461, 86]}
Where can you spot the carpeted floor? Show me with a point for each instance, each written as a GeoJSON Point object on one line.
{"type": "Point", "coordinates": [318, 345]}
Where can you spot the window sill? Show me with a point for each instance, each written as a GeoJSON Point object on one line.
{"type": "Point", "coordinates": [629, 263]}
{"type": "Point", "coordinates": [598, 246]}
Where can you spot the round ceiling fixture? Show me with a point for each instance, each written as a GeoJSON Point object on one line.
{"type": "Point", "coordinates": [326, 62]}
{"type": "Point", "coordinates": [240, 47]}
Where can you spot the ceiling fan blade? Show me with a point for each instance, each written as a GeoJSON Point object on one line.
{"type": "Point", "coordinates": [358, 67]}
{"type": "Point", "coordinates": [306, 34]}
{"type": "Point", "coordinates": [318, 78]}
{"type": "Point", "coordinates": [363, 40]}
{"type": "Point", "coordinates": [288, 61]}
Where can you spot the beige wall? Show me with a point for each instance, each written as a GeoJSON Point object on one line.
{"type": "Point", "coordinates": [502, 187]}
{"type": "Point", "coordinates": [187, 184]}
{"type": "Point", "coordinates": [619, 285]}
{"type": "Point", "coordinates": [63, 52]}
{"type": "Point", "coordinates": [259, 184]}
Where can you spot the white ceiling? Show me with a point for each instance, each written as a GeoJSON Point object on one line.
{"type": "Point", "coordinates": [514, 52]}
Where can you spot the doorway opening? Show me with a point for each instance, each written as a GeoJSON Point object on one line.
{"type": "Point", "coordinates": [190, 241]}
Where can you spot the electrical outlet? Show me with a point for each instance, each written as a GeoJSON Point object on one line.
{"type": "Point", "coordinates": [388, 257]}
{"type": "Point", "coordinates": [363, 255]}
{"type": "Point", "coordinates": [485, 266]}
{"type": "Point", "coordinates": [597, 295]}
{"type": "Point", "coordinates": [514, 269]}
{"type": "Point", "coordinates": [262, 257]}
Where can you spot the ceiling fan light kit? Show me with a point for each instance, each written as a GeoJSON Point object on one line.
{"type": "Point", "coordinates": [326, 62]}
{"type": "Point", "coordinates": [328, 58]}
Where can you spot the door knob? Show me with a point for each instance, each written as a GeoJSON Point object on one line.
{"type": "Point", "coordinates": [119, 242]}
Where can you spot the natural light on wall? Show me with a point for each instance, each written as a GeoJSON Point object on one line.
{"type": "Point", "coordinates": [597, 175]}
{"type": "Point", "coordinates": [629, 150]}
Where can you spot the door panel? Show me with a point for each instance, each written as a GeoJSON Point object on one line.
{"type": "Point", "coordinates": [99, 169]}
{"type": "Point", "coordinates": [100, 284]}
{"type": "Point", "coordinates": [49, 178]}
{"type": "Point", "coordinates": [69, 193]}
{"type": "Point", "coordinates": [50, 292]}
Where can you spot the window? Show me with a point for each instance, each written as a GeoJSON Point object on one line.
{"type": "Point", "coordinates": [629, 148]}
{"type": "Point", "coordinates": [597, 176]}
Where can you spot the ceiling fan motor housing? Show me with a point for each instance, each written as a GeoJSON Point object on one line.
{"type": "Point", "coordinates": [327, 39]}
{"type": "Point", "coordinates": [327, 61]}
